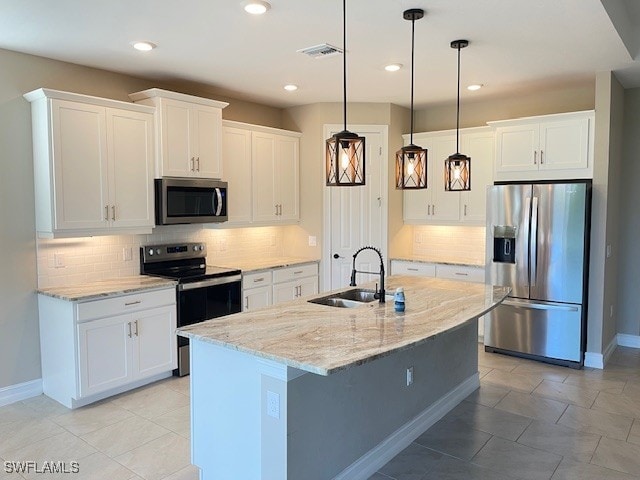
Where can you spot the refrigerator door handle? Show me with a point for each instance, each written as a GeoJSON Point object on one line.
{"type": "Point", "coordinates": [534, 242]}
{"type": "Point", "coordinates": [540, 306]}
{"type": "Point", "coordinates": [524, 272]}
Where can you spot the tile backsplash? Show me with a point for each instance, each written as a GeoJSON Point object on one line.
{"type": "Point", "coordinates": [463, 244]}
{"type": "Point", "coordinates": [79, 260]}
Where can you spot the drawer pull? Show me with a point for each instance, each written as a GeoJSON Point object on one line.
{"type": "Point", "coordinates": [462, 274]}
{"type": "Point", "coordinates": [128, 304]}
{"type": "Point", "coordinates": [411, 269]}
{"type": "Point", "coordinates": [258, 280]}
{"type": "Point", "coordinates": [298, 272]}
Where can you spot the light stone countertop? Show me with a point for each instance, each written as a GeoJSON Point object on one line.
{"type": "Point", "coordinates": [322, 339]}
{"type": "Point", "coordinates": [107, 288]}
{"type": "Point", "coordinates": [420, 259]}
{"type": "Point", "coordinates": [263, 263]}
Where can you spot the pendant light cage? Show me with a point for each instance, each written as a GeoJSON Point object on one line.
{"type": "Point", "coordinates": [457, 168]}
{"type": "Point", "coordinates": [345, 160]}
{"type": "Point", "coordinates": [411, 160]}
{"type": "Point", "coordinates": [345, 151]}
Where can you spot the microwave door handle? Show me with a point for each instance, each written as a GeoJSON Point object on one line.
{"type": "Point", "coordinates": [218, 209]}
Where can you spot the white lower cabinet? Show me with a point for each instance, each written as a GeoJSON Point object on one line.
{"type": "Point", "coordinates": [99, 348]}
{"type": "Point", "coordinates": [270, 287]}
{"type": "Point", "coordinates": [401, 267]}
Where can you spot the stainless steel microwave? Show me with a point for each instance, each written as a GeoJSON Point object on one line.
{"type": "Point", "coordinates": [190, 200]}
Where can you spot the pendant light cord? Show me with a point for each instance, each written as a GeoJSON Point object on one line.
{"type": "Point", "coordinates": [413, 39]}
{"type": "Point", "coordinates": [344, 61]}
{"type": "Point", "coordinates": [458, 107]}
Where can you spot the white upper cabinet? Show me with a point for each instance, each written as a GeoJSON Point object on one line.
{"type": "Point", "coordinates": [549, 147]}
{"type": "Point", "coordinates": [93, 165]}
{"type": "Point", "coordinates": [189, 133]}
{"type": "Point", "coordinates": [435, 204]}
{"type": "Point", "coordinates": [262, 168]}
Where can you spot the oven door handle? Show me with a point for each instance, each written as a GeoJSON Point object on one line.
{"type": "Point", "coordinates": [209, 283]}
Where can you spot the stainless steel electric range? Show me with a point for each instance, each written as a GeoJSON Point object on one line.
{"type": "Point", "coordinates": [203, 292]}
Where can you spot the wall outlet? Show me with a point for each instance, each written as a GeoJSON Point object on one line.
{"type": "Point", "coordinates": [127, 254]}
{"type": "Point", "coordinates": [58, 260]}
{"type": "Point", "coordinates": [313, 241]}
{"type": "Point", "coordinates": [409, 376]}
{"type": "Point", "coordinates": [273, 404]}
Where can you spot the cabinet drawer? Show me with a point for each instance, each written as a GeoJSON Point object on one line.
{"type": "Point", "coordinates": [413, 268]}
{"type": "Point", "coordinates": [292, 273]}
{"type": "Point", "coordinates": [259, 279]}
{"type": "Point", "coordinates": [125, 303]}
{"type": "Point", "coordinates": [465, 274]}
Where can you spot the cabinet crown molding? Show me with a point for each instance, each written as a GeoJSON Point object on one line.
{"type": "Point", "coordinates": [260, 128]}
{"type": "Point", "coordinates": [41, 93]}
{"type": "Point", "coordinates": [182, 97]}
{"type": "Point", "coordinates": [542, 118]}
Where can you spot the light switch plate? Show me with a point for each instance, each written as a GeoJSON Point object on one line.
{"type": "Point", "coordinates": [313, 241]}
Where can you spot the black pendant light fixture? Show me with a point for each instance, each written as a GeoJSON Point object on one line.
{"type": "Point", "coordinates": [411, 160]}
{"type": "Point", "coordinates": [345, 150]}
{"type": "Point", "coordinates": [457, 168]}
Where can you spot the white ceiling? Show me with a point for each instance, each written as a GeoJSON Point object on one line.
{"type": "Point", "coordinates": [515, 45]}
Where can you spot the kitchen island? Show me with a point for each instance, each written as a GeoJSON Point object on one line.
{"type": "Point", "coordinates": [307, 391]}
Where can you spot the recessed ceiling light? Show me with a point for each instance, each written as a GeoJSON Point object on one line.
{"type": "Point", "coordinates": [393, 67]}
{"type": "Point", "coordinates": [144, 46]}
{"type": "Point", "coordinates": [256, 7]}
{"type": "Point", "coordinates": [475, 87]}
{"type": "Point", "coordinates": [291, 87]}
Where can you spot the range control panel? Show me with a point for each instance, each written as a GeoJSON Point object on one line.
{"type": "Point", "coordinates": [162, 253]}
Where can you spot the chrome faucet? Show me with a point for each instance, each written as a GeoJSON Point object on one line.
{"type": "Point", "coordinates": [379, 293]}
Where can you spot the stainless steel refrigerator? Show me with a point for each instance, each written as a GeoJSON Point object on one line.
{"type": "Point", "coordinates": [538, 244]}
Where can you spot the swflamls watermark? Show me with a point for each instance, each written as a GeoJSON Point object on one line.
{"type": "Point", "coordinates": [47, 466]}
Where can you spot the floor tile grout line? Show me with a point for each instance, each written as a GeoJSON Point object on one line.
{"type": "Point", "coordinates": [595, 450]}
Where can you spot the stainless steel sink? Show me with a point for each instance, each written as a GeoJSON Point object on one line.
{"type": "Point", "coordinates": [355, 297]}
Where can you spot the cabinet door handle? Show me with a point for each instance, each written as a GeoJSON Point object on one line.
{"type": "Point", "coordinates": [193, 160]}
{"type": "Point", "coordinates": [136, 332]}
{"type": "Point", "coordinates": [428, 210]}
{"type": "Point", "coordinates": [129, 325]}
{"type": "Point", "coordinates": [433, 209]}
{"type": "Point", "coordinates": [106, 212]}
{"type": "Point", "coordinates": [276, 210]}
{"type": "Point", "coordinates": [541, 157]}
{"type": "Point", "coordinates": [246, 303]}
{"type": "Point", "coordinates": [198, 160]}
{"type": "Point", "coordinates": [465, 210]}
{"type": "Point", "coordinates": [113, 213]}
{"type": "Point", "coordinates": [535, 157]}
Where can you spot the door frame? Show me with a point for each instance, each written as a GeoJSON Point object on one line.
{"type": "Point", "coordinates": [325, 264]}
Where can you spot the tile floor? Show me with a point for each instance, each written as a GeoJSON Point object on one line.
{"type": "Point", "coordinates": [528, 420]}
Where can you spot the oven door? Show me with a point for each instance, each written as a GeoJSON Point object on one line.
{"type": "Point", "coordinates": [188, 200]}
{"type": "Point", "coordinates": [204, 300]}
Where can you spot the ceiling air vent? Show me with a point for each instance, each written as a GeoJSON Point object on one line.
{"type": "Point", "coordinates": [321, 51]}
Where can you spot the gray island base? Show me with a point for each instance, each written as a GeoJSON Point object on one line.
{"type": "Point", "coordinates": [306, 391]}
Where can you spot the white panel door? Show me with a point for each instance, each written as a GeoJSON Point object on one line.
{"type": "Point", "coordinates": [356, 218]}
{"type": "Point", "coordinates": [564, 145]}
{"type": "Point", "coordinates": [177, 160]}
{"type": "Point", "coordinates": [206, 131]}
{"type": "Point", "coordinates": [516, 148]}
{"type": "Point", "coordinates": [236, 157]}
{"type": "Point", "coordinates": [480, 147]}
{"type": "Point", "coordinates": [130, 145]}
{"type": "Point", "coordinates": [263, 157]}
{"type": "Point", "coordinates": [308, 286]}
{"type": "Point", "coordinates": [255, 298]}
{"type": "Point", "coordinates": [154, 348]}
{"type": "Point", "coordinates": [287, 177]}
{"type": "Point", "coordinates": [80, 165]}
{"type": "Point", "coordinates": [284, 292]}
{"type": "Point", "coordinates": [445, 206]}
{"type": "Point", "coordinates": [105, 355]}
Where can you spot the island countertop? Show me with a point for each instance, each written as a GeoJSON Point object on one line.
{"type": "Point", "coordinates": [322, 339]}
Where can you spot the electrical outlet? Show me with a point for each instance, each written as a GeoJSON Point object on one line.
{"type": "Point", "coordinates": [409, 376]}
{"type": "Point", "coordinates": [127, 254]}
{"type": "Point", "coordinates": [58, 260]}
{"type": "Point", "coordinates": [273, 404]}
{"type": "Point", "coordinates": [313, 241]}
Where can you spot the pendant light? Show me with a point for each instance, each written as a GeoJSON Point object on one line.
{"type": "Point", "coordinates": [411, 160]}
{"type": "Point", "coordinates": [345, 151]}
{"type": "Point", "coordinates": [457, 168]}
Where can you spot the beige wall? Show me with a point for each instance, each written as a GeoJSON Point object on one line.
{"type": "Point", "coordinates": [628, 316]}
{"type": "Point", "coordinates": [601, 327]}
{"type": "Point", "coordinates": [476, 113]}
{"type": "Point", "coordinates": [19, 342]}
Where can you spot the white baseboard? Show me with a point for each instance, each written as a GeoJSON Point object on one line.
{"type": "Point", "coordinates": [626, 340]}
{"type": "Point", "coordinates": [378, 456]}
{"type": "Point", "coordinates": [599, 360]}
{"type": "Point", "coordinates": [20, 391]}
